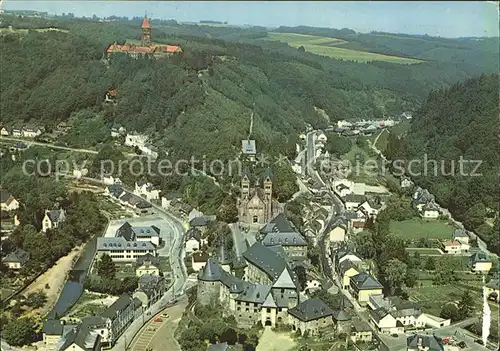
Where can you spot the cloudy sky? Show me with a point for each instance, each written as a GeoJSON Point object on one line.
{"type": "Point", "coordinates": [446, 19]}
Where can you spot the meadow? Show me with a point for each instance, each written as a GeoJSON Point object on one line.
{"type": "Point", "coordinates": [330, 47]}
{"type": "Point", "coordinates": [417, 228]}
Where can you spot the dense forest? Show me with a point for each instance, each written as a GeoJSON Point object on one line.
{"type": "Point", "coordinates": [201, 102]}
{"type": "Point", "coordinates": [461, 121]}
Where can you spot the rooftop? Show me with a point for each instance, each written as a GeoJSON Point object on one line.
{"type": "Point", "coordinates": [310, 310]}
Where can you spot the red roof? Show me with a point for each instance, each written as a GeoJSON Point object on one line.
{"type": "Point", "coordinates": [112, 92]}
{"type": "Point", "coordinates": [451, 243]}
{"type": "Point", "coordinates": [171, 48]}
{"type": "Point", "coordinates": [145, 23]}
{"type": "Point", "coordinates": [358, 224]}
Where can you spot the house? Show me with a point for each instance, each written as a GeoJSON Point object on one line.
{"type": "Point", "coordinates": [248, 149]}
{"type": "Point", "coordinates": [280, 231]}
{"type": "Point", "coordinates": [17, 132]}
{"type": "Point", "coordinates": [151, 233]}
{"type": "Point", "coordinates": [406, 312]}
{"type": "Point", "coordinates": [17, 259]}
{"type": "Point", "coordinates": [114, 190]}
{"type": "Point", "coordinates": [421, 197]}
{"type": "Point", "coordinates": [363, 285]}
{"type": "Point", "coordinates": [425, 342]}
{"type": "Point", "coordinates": [193, 240]}
{"type": "Point", "coordinates": [479, 263]}
{"type": "Point", "coordinates": [454, 247]}
{"type": "Point", "coordinates": [343, 255]}
{"type": "Point", "coordinates": [81, 338]}
{"type": "Point", "coordinates": [322, 137]}
{"type": "Point", "coordinates": [430, 211]}
{"type": "Point", "coordinates": [200, 223]}
{"type": "Point", "coordinates": [111, 181]}
{"type": "Point", "coordinates": [4, 131]}
{"type": "Point", "coordinates": [52, 219]}
{"type": "Point", "coordinates": [121, 250]}
{"type": "Point", "coordinates": [310, 316]}
{"type": "Point", "coordinates": [406, 183]}
{"type": "Point", "coordinates": [52, 333]}
{"type": "Point", "coordinates": [7, 201]}
{"type": "Point", "coordinates": [371, 208]}
{"type": "Point", "coordinates": [166, 200]}
{"type": "Point", "coordinates": [199, 260]}
{"type": "Point", "coordinates": [149, 150]}
{"type": "Point", "coordinates": [346, 270]}
{"type": "Point", "coordinates": [135, 139]}
{"type": "Point", "coordinates": [492, 290]}
{"type": "Point", "coordinates": [342, 190]}
{"type": "Point", "coordinates": [336, 230]}
{"type": "Point", "coordinates": [385, 322]}
{"type": "Point", "coordinates": [31, 131]}
{"type": "Point", "coordinates": [150, 289]}
{"type": "Point", "coordinates": [147, 264]}
{"type": "Point", "coordinates": [146, 190]}
{"type": "Point", "coordinates": [222, 347]}
{"type": "Point", "coordinates": [461, 235]}
{"type": "Point", "coordinates": [353, 201]}
{"type": "Point", "coordinates": [360, 331]}
{"type": "Point", "coordinates": [117, 130]}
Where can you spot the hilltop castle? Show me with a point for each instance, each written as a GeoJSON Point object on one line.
{"type": "Point", "coordinates": [146, 47]}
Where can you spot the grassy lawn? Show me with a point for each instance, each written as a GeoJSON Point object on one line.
{"type": "Point", "coordinates": [417, 228]}
{"type": "Point", "coordinates": [433, 298]}
{"type": "Point", "coordinates": [423, 252]}
{"type": "Point", "coordinates": [326, 46]}
{"type": "Point", "coordinates": [123, 271]}
{"type": "Point", "coordinates": [381, 139]}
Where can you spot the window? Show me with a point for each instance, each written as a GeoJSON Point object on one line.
{"type": "Point", "coordinates": [268, 310]}
{"type": "Point", "coordinates": [280, 309]}
{"type": "Point", "coordinates": [247, 310]}
{"type": "Point", "coordinates": [238, 309]}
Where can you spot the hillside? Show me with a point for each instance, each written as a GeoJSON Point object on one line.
{"type": "Point", "coordinates": [201, 102]}
{"type": "Point", "coordinates": [461, 121]}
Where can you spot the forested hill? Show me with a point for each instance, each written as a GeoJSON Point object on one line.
{"type": "Point", "coordinates": [461, 121]}
{"type": "Point", "coordinates": [199, 102]}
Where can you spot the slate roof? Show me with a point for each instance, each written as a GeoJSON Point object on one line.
{"type": "Point", "coordinates": [4, 195]}
{"type": "Point", "coordinates": [193, 232]}
{"type": "Point", "coordinates": [18, 256]}
{"type": "Point", "coordinates": [154, 261]}
{"type": "Point", "coordinates": [211, 272]}
{"type": "Point", "coordinates": [280, 231]}
{"type": "Point", "coordinates": [108, 243]}
{"type": "Point", "coordinates": [379, 314]}
{"type": "Point", "coordinates": [223, 256]}
{"type": "Point", "coordinates": [200, 257]}
{"type": "Point", "coordinates": [248, 147]}
{"type": "Point", "coordinates": [115, 190]}
{"type": "Point", "coordinates": [198, 222]}
{"type": "Point", "coordinates": [358, 325]}
{"type": "Point", "coordinates": [146, 231]}
{"type": "Point", "coordinates": [430, 342]}
{"type": "Point", "coordinates": [310, 310]}
{"type": "Point", "coordinates": [431, 206]}
{"type": "Point", "coordinates": [494, 284]}
{"type": "Point", "coordinates": [346, 265]}
{"type": "Point", "coordinates": [266, 259]}
{"type": "Point", "coordinates": [118, 306]}
{"type": "Point", "coordinates": [478, 257]}
{"type": "Point", "coordinates": [365, 281]}
{"type": "Point", "coordinates": [254, 293]}
{"type": "Point", "coordinates": [460, 233]}
{"type": "Point", "coordinates": [94, 321]}
{"type": "Point", "coordinates": [335, 222]}
{"type": "Point", "coordinates": [125, 231]}
{"type": "Point", "coordinates": [354, 198]}
{"type": "Point", "coordinates": [268, 174]}
{"type": "Point", "coordinates": [81, 335]}
{"type": "Point", "coordinates": [219, 347]}
{"type": "Point", "coordinates": [53, 327]}
{"type": "Point", "coordinates": [54, 215]}
{"type": "Point", "coordinates": [171, 196]}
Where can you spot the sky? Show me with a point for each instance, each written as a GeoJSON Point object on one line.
{"type": "Point", "coordinates": [445, 19]}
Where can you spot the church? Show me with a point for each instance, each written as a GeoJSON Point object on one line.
{"type": "Point", "coordinates": [255, 204]}
{"type": "Point", "coordinates": [146, 47]}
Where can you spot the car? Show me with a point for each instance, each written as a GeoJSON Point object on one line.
{"type": "Point", "coordinates": [165, 315]}
{"type": "Point", "coordinates": [394, 335]}
{"type": "Point", "coordinates": [479, 341]}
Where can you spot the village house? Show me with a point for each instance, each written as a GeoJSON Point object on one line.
{"type": "Point", "coordinates": [52, 333]}
{"type": "Point", "coordinates": [110, 96]}
{"type": "Point", "coordinates": [146, 190]}
{"type": "Point", "coordinates": [200, 223]}
{"type": "Point", "coordinates": [7, 201]}
{"type": "Point", "coordinates": [346, 270]}
{"type": "Point", "coordinates": [16, 260]}
{"type": "Point", "coordinates": [167, 199]}
{"type": "Point", "coordinates": [150, 289]}
{"type": "Point", "coordinates": [114, 190]}
{"type": "Point", "coordinates": [479, 263]}
{"type": "Point", "coordinates": [135, 139]}
{"type": "Point", "coordinates": [280, 231]}
{"type": "Point", "coordinates": [4, 131]}
{"type": "Point", "coordinates": [363, 285]}
{"type": "Point", "coordinates": [81, 338]}
{"type": "Point", "coordinates": [406, 183]}
{"type": "Point", "coordinates": [454, 247]}
{"type": "Point", "coordinates": [322, 137]}
{"type": "Point", "coordinates": [255, 204]}
{"type": "Point", "coordinates": [337, 229]}
{"type": "Point", "coordinates": [371, 208]}
{"type": "Point", "coordinates": [147, 264]}
{"type": "Point", "coordinates": [311, 316]}
{"type": "Point", "coordinates": [422, 197]}
{"type": "Point", "coordinates": [249, 149]}
{"type": "Point", "coordinates": [425, 342]}
{"type": "Point", "coordinates": [112, 181]}
{"type": "Point", "coordinates": [199, 260]}
{"type": "Point", "coordinates": [430, 211]}
{"type": "Point", "coordinates": [52, 219]}
{"type": "Point", "coordinates": [223, 347]}
{"type": "Point", "coordinates": [461, 235]}
{"type": "Point", "coordinates": [17, 132]}
{"type": "Point", "coordinates": [492, 290]}
{"type": "Point", "coordinates": [194, 240]}
{"type": "Point", "coordinates": [143, 233]}
{"type": "Point", "coordinates": [31, 131]}
{"type": "Point", "coordinates": [353, 201]}
{"type": "Point", "coordinates": [360, 331]}
{"type": "Point", "coordinates": [391, 313]}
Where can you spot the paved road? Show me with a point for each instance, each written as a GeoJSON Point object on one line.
{"type": "Point", "coordinates": [160, 335]}
{"type": "Point", "coordinates": [238, 240]}
{"type": "Point", "coordinates": [310, 153]}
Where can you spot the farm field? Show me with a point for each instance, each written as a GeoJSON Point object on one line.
{"type": "Point", "coordinates": [330, 47]}
{"type": "Point", "coordinates": [417, 228]}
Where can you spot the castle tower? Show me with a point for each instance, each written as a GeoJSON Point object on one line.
{"type": "Point", "coordinates": [146, 32]}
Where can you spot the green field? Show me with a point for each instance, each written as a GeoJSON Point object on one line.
{"type": "Point", "coordinates": [326, 46]}
{"type": "Point", "coordinates": [381, 139]}
{"type": "Point", "coordinates": [417, 228]}
{"type": "Point", "coordinates": [401, 128]}
{"type": "Point", "coordinates": [433, 298]}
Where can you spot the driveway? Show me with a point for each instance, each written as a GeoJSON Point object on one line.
{"type": "Point", "coordinates": [272, 341]}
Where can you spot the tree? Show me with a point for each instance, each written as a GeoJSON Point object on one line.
{"type": "Point", "coordinates": [411, 278]}
{"type": "Point", "coordinates": [228, 212]}
{"type": "Point", "coordinates": [301, 275]}
{"type": "Point", "coordinates": [19, 332]}
{"type": "Point", "coordinates": [450, 311]}
{"type": "Point", "coordinates": [36, 299]}
{"type": "Point", "coordinates": [466, 305]}
{"type": "Point", "coordinates": [106, 267]}
{"type": "Point", "coordinates": [301, 49]}
{"type": "Point", "coordinates": [395, 274]}
{"type": "Point", "coordinates": [430, 263]}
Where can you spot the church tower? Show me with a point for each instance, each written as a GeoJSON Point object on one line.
{"type": "Point", "coordinates": [146, 32]}
{"type": "Point", "coordinates": [245, 185]}
{"type": "Point", "coordinates": [268, 184]}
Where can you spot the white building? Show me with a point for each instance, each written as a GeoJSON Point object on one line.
{"type": "Point", "coordinates": [7, 201]}
{"type": "Point", "coordinates": [146, 190]}
{"type": "Point", "coordinates": [52, 219]}
{"type": "Point", "coordinates": [135, 139]}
